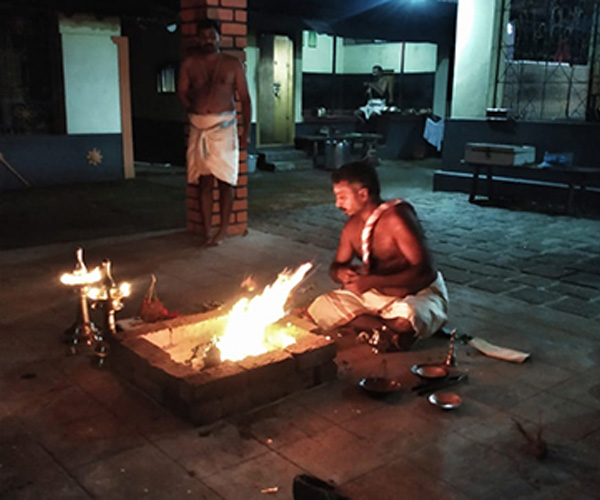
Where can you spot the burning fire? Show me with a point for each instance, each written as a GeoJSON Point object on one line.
{"type": "Point", "coordinates": [245, 333]}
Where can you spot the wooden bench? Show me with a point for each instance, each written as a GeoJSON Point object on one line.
{"type": "Point", "coordinates": [575, 179]}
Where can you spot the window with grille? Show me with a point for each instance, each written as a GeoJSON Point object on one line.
{"type": "Point", "coordinates": [548, 60]}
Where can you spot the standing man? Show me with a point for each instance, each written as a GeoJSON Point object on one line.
{"type": "Point", "coordinates": [208, 82]}
{"type": "Point", "coordinates": [395, 294]}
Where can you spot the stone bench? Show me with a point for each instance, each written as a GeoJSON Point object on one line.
{"type": "Point", "coordinates": [574, 179]}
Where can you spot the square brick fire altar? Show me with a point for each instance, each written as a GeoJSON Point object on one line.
{"type": "Point", "coordinates": [164, 360]}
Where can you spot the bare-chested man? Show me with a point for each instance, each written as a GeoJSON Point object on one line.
{"type": "Point", "coordinates": [395, 290]}
{"type": "Point", "coordinates": [379, 95]}
{"type": "Point", "coordinates": [208, 81]}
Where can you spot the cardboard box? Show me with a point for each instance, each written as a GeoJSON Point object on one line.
{"type": "Point", "coordinates": [510, 155]}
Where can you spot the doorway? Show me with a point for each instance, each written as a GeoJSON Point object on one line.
{"type": "Point", "coordinates": [275, 89]}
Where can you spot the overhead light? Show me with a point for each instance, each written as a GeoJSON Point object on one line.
{"type": "Point", "coordinates": [172, 28]}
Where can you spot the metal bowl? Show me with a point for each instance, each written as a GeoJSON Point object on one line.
{"type": "Point", "coordinates": [430, 371]}
{"type": "Point", "coordinates": [445, 400]}
{"type": "Point", "coordinates": [379, 386]}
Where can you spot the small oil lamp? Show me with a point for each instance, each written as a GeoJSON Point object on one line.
{"type": "Point", "coordinates": [83, 331]}
{"type": "Point", "coordinates": [100, 289]}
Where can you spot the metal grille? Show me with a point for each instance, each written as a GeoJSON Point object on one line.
{"type": "Point", "coordinates": [27, 72]}
{"type": "Point", "coordinates": [547, 62]}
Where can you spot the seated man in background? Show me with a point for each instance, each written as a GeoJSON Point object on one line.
{"type": "Point", "coordinates": [395, 294]}
{"type": "Point", "coordinates": [379, 95]}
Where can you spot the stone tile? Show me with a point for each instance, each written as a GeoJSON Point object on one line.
{"type": "Point", "coordinates": [476, 255]}
{"type": "Point", "coordinates": [538, 374]}
{"type": "Point", "coordinates": [500, 394]}
{"type": "Point", "coordinates": [249, 478]}
{"type": "Point", "coordinates": [77, 443]}
{"type": "Point", "coordinates": [533, 296]}
{"type": "Point", "coordinates": [494, 285]}
{"type": "Point", "coordinates": [574, 290]}
{"type": "Point", "coordinates": [57, 407]}
{"type": "Point", "coordinates": [336, 401]}
{"type": "Point", "coordinates": [281, 424]}
{"type": "Point", "coordinates": [534, 281]}
{"type": "Point", "coordinates": [455, 275]}
{"type": "Point", "coordinates": [142, 472]}
{"type": "Point", "coordinates": [400, 479]}
{"type": "Point", "coordinates": [31, 379]}
{"type": "Point", "coordinates": [568, 418]}
{"type": "Point", "coordinates": [548, 271]}
{"type": "Point", "coordinates": [577, 306]}
{"type": "Point", "coordinates": [60, 489]}
{"type": "Point", "coordinates": [583, 388]}
{"type": "Point", "coordinates": [584, 279]}
{"type": "Point", "coordinates": [400, 427]}
{"type": "Point", "coordinates": [148, 417]}
{"type": "Point", "coordinates": [28, 471]}
{"type": "Point", "coordinates": [334, 455]}
{"type": "Point", "coordinates": [470, 467]}
{"type": "Point", "coordinates": [208, 451]}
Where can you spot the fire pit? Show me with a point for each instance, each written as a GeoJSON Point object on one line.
{"type": "Point", "coordinates": [207, 366]}
{"type": "Point", "coordinates": [162, 360]}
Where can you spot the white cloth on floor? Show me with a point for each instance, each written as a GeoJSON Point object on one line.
{"type": "Point", "coordinates": [213, 147]}
{"type": "Point", "coordinates": [434, 133]}
{"type": "Point", "coordinates": [427, 310]}
{"type": "Point", "coordinates": [494, 351]}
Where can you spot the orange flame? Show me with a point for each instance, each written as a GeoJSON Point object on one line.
{"type": "Point", "coordinates": [245, 333]}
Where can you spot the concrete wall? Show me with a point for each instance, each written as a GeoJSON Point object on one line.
{"type": "Point", "coordinates": [579, 138]}
{"type": "Point", "coordinates": [91, 74]}
{"type": "Point", "coordinates": [46, 160]}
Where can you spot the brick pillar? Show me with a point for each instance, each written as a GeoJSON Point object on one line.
{"type": "Point", "coordinates": [233, 16]}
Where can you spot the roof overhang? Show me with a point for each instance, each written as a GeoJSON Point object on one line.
{"type": "Point", "coordinates": [393, 20]}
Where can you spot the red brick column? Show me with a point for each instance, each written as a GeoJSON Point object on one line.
{"type": "Point", "coordinates": [232, 16]}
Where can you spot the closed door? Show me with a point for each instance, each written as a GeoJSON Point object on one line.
{"type": "Point", "coordinates": [275, 110]}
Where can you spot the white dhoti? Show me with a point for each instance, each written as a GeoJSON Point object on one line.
{"type": "Point", "coordinates": [427, 310]}
{"type": "Point", "coordinates": [373, 107]}
{"type": "Point", "coordinates": [213, 147]}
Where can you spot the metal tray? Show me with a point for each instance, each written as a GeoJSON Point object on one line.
{"type": "Point", "coordinates": [430, 371]}
{"type": "Point", "coordinates": [445, 400]}
{"type": "Point", "coordinates": [379, 386]}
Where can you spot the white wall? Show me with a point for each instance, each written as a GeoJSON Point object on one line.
{"type": "Point", "coordinates": [474, 61]}
{"type": "Point", "coordinates": [91, 74]}
{"type": "Point", "coordinates": [320, 58]}
{"type": "Point", "coordinates": [360, 58]}
{"type": "Point", "coordinates": [420, 58]}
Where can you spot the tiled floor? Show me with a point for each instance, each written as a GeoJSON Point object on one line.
{"type": "Point", "coordinates": [524, 280]}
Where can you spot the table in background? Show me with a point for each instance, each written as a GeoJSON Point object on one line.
{"type": "Point", "coordinates": [368, 140]}
{"type": "Point", "coordinates": [573, 177]}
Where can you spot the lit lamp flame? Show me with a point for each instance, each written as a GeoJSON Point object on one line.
{"type": "Point", "coordinates": [245, 333]}
{"type": "Point", "coordinates": [81, 277]}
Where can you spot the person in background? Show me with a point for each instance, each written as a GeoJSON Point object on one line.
{"type": "Point", "coordinates": [208, 82]}
{"type": "Point", "coordinates": [379, 95]}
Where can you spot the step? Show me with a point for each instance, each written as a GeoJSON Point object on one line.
{"type": "Point", "coordinates": [281, 154]}
{"type": "Point", "coordinates": [285, 166]}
